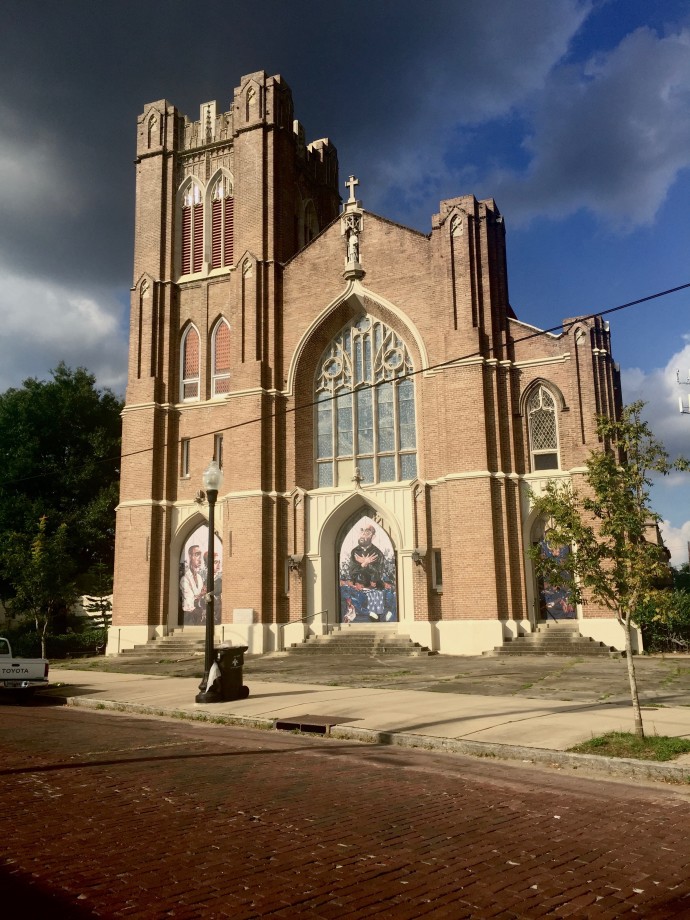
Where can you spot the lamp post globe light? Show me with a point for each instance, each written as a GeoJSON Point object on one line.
{"type": "Point", "coordinates": [213, 480]}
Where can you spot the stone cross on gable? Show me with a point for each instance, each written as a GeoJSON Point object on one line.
{"type": "Point", "coordinates": [350, 184]}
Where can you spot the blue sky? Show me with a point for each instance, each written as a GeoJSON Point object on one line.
{"type": "Point", "coordinates": [573, 114]}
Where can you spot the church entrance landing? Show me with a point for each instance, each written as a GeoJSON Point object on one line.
{"type": "Point", "coordinates": [367, 585]}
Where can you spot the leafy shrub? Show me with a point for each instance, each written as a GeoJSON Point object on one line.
{"type": "Point", "coordinates": [670, 632]}
{"type": "Point", "coordinates": [26, 643]}
{"type": "Point", "coordinates": [75, 645]}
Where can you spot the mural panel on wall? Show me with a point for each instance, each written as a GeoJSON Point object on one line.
{"type": "Point", "coordinates": [366, 565]}
{"type": "Point", "coordinates": [193, 578]}
{"type": "Point", "coordinates": [554, 602]}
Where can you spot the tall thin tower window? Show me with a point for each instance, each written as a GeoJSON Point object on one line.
{"type": "Point", "coordinates": [192, 230]}
{"type": "Point", "coordinates": [221, 358]}
{"type": "Point", "coordinates": [190, 365]}
{"type": "Point", "coordinates": [222, 223]}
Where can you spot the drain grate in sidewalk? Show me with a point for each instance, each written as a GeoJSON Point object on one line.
{"type": "Point", "coordinates": [320, 725]}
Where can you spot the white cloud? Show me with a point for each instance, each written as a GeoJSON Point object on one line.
{"type": "Point", "coordinates": [660, 390]}
{"type": "Point", "coordinates": [676, 540]}
{"type": "Point", "coordinates": [610, 136]}
{"type": "Point", "coordinates": [45, 323]}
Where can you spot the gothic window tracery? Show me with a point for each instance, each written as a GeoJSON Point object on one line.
{"type": "Point", "coordinates": [220, 348]}
{"type": "Point", "coordinates": [543, 429]}
{"type": "Point", "coordinates": [190, 365]}
{"type": "Point", "coordinates": [365, 413]}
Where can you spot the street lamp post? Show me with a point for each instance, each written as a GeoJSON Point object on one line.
{"type": "Point", "coordinates": [213, 480]}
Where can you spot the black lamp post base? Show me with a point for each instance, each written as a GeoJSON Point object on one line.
{"type": "Point", "coordinates": [215, 696]}
{"type": "Point", "coordinates": [212, 693]}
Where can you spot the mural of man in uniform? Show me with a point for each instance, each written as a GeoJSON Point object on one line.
{"type": "Point", "coordinates": [194, 578]}
{"type": "Point", "coordinates": [367, 575]}
{"type": "Point", "coordinates": [366, 560]}
{"type": "Point", "coordinates": [217, 585]}
{"type": "Point", "coordinates": [192, 588]}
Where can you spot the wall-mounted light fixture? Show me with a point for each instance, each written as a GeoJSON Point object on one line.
{"type": "Point", "coordinates": [418, 556]}
{"type": "Point", "coordinates": [295, 561]}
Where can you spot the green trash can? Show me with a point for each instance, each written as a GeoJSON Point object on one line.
{"type": "Point", "coordinates": [230, 659]}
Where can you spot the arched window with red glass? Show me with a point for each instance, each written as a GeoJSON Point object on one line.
{"type": "Point", "coordinates": [220, 351]}
{"type": "Point", "coordinates": [190, 366]}
{"type": "Point", "coordinates": [192, 229]}
{"type": "Point", "coordinates": [222, 222]}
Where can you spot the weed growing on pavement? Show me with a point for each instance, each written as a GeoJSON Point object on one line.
{"type": "Point", "coordinates": [626, 744]}
{"type": "Point", "coordinates": [677, 672]}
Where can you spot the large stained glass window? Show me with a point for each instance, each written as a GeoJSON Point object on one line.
{"type": "Point", "coordinates": [365, 416]}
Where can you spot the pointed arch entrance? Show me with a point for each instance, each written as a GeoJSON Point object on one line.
{"type": "Point", "coordinates": [366, 565]}
{"type": "Point", "coordinates": [193, 578]}
{"type": "Point", "coordinates": [552, 603]}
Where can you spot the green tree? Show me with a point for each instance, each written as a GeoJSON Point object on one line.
{"type": "Point", "coordinates": [681, 578]}
{"type": "Point", "coordinates": [59, 458]}
{"type": "Point", "coordinates": [40, 570]}
{"type": "Point", "coordinates": [610, 525]}
{"type": "Point", "coordinates": [97, 602]}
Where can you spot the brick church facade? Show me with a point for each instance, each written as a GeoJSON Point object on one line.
{"type": "Point", "coordinates": [379, 412]}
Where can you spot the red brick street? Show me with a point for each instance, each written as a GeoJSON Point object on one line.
{"type": "Point", "coordinates": [117, 816]}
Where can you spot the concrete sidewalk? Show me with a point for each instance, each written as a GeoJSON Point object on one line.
{"type": "Point", "coordinates": [500, 726]}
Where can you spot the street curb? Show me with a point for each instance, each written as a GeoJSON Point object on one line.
{"type": "Point", "coordinates": [639, 769]}
{"type": "Point", "coordinates": [182, 714]}
{"type": "Point", "coordinates": [621, 766]}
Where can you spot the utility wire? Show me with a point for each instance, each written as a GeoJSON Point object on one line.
{"type": "Point", "coordinates": [370, 386]}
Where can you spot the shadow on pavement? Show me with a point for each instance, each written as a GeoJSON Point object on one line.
{"type": "Point", "coordinates": [25, 899]}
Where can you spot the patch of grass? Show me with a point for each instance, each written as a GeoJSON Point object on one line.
{"type": "Point", "coordinates": [625, 744]}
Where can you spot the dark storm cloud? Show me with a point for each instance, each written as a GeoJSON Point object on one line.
{"type": "Point", "coordinates": [397, 86]}
{"type": "Point", "coordinates": [380, 79]}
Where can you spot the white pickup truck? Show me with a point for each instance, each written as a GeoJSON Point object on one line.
{"type": "Point", "coordinates": [21, 673]}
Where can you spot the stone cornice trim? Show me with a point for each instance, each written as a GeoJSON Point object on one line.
{"type": "Point", "coordinates": [146, 503]}
{"type": "Point", "coordinates": [538, 362]}
{"type": "Point", "coordinates": [515, 477]}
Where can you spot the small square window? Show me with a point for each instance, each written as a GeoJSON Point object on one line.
{"type": "Point", "coordinates": [545, 461]}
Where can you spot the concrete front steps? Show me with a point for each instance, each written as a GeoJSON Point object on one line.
{"type": "Point", "coordinates": [361, 642]}
{"type": "Point", "coordinates": [179, 645]}
{"type": "Point", "coordinates": [556, 638]}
